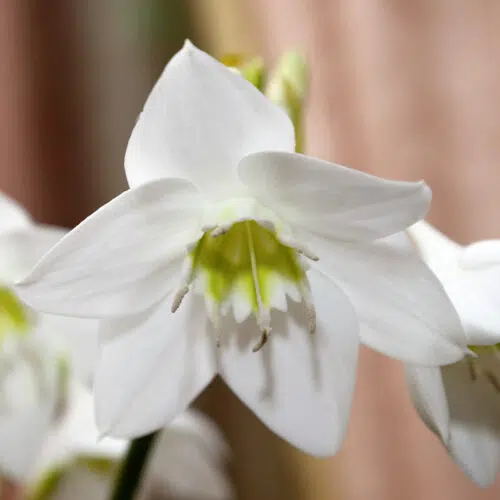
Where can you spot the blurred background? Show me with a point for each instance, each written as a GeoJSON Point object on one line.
{"type": "Point", "coordinates": [402, 89]}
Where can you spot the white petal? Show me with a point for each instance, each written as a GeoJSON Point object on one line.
{"type": "Point", "coordinates": [120, 260]}
{"type": "Point", "coordinates": [403, 309]}
{"type": "Point", "coordinates": [75, 340]}
{"type": "Point", "coordinates": [333, 200]}
{"type": "Point", "coordinates": [200, 119]}
{"type": "Point", "coordinates": [481, 254]}
{"type": "Point", "coordinates": [475, 423]}
{"type": "Point", "coordinates": [439, 252]}
{"type": "Point", "coordinates": [12, 215]}
{"type": "Point", "coordinates": [22, 434]}
{"type": "Point", "coordinates": [152, 367]}
{"type": "Point", "coordinates": [299, 384]}
{"type": "Point", "coordinates": [22, 437]}
{"type": "Point", "coordinates": [471, 279]}
{"type": "Point", "coordinates": [188, 463]}
{"type": "Point", "coordinates": [20, 249]}
{"type": "Point", "coordinates": [475, 295]}
{"type": "Point", "coordinates": [427, 393]}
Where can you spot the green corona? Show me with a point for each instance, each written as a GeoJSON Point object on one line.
{"type": "Point", "coordinates": [245, 261]}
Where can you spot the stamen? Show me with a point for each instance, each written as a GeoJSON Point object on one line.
{"type": "Point", "coordinates": [298, 247]}
{"type": "Point", "coordinates": [186, 279]}
{"type": "Point", "coordinates": [178, 298]}
{"type": "Point", "coordinates": [215, 316]}
{"type": "Point", "coordinates": [263, 315]}
{"type": "Point", "coordinates": [311, 310]}
{"type": "Point", "coordinates": [262, 341]}
{"type": "Point", "coordinates": [220, 230]}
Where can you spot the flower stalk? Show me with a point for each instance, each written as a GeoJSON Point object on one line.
{"type": "Point", "coordinates": [133, 466]}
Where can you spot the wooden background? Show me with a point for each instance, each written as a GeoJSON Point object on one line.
{"type": "Point", "coordinates": [403, 89]}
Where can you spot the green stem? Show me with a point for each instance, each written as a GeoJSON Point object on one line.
{"type": "Point", "coordinates": [132, 467]}
{"type": "Point", "coordinates": [300, 142]}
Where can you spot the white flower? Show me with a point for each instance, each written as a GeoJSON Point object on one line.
{"type": "Point", "coordinates": [461, 402]}
{"type": "Point", "coordinates": [31, 347]}
{"type": "Point", "coordinates": [217, 244]}
{"type": "Point", "coordinates": [187, 462]}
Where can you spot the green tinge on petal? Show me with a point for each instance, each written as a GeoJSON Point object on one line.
{"type": "Point", "coordinates": [13, 315]}
{"type": "Point", "coordinates": [99, 465]}
{"type": "Point", "coordinates": [482, 349]}
{"type": "Point", "coordinates": [225, 262]}
{"type": "Point", "coordinates": [47, 485]}
{"type": "Point", "coordinates": [63, 373]}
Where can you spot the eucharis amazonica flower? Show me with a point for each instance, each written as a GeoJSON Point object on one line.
{"type": "Point", "coordinates": [34, 356]}
{"type": "Point", "coordinates": [188, 460]}
{"type": "Point", "coordinates": [233, 255]}
{"type": "Point", "coordinates": [461, 402]}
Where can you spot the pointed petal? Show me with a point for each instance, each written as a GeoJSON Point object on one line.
{"type": "Point", "coordinates": [332, 200]}
{"type": "Point", "coordinates": [429, 398]}
{"type": "Point", "coordinates": [151, 367]}
{"type": "Point", "coordinates": [12, 215]}
{"type": "Point", "coordinates": [200, 119]}
{"type": "Point", "coordinates": [120, 260]}
{"type": "Point", "coordinates": [299, 384]}
{"type": "Point", "coordinates": [475, 422]}
{"type": "Point", "coordinates": [21, 248]}
{"type": "Point", "coordinates": [403, 308]}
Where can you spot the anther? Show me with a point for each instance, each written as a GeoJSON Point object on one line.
{"type": "Point", "coordinates": [220, 230]}
{"type": "Point", "coordinates": [178, 298]}
{"type": "Point", "coordinates": [299, 247]}
{"type": "Point", "coordinates": [263, 340]}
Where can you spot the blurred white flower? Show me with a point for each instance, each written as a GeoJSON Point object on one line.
{"type": "Point", "coordinates": [225, 234]}
{"type": "Point", "coordinates": [188, 461]}
{"type": "Point", "coordinates": [36, 351]}
{"type": "Point", "coordinates": [461, 402]}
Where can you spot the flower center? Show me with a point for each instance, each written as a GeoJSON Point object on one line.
{"type": "Point", "coordinates": [245, 267]}
{"type": "Point", "coordinates": [488, 355]}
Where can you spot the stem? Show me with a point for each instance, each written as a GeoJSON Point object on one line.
{"type": "Point", "coordinates": [132, 467]}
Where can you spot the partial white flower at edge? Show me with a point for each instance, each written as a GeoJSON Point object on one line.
{"type": "Point", "coordinates": [233, 255]}
{"type": "Point", "coordinates": [461, 402]}
{"type": "Point", "coordinates": [188, 460]}
{"type": "Point", "coordinates": [37, 352]}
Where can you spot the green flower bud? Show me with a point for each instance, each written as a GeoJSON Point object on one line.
{"type": "Point", "coordinates": [251, 68]}
{"type": "Point", "coordinates": [287, 87]}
